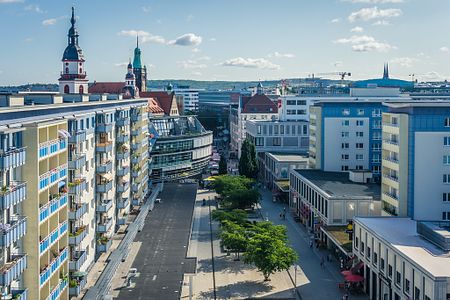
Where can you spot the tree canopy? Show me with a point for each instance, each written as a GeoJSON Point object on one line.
{"type": "Point", "coordinates": [248, 165]}
{"type": "Point", "coordinates": [223, 166]}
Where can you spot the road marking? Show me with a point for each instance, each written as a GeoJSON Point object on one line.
{"type": "Point", "coordinates": [154, 277]}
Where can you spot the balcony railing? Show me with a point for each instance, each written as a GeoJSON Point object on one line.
{"type": "Point", "coordinates": [104, 147]}
{"type": "Point", "coordinates": [136, 117]}
{"type": "Point", "coordinates": [104, 167]}
{"type": "Point", "coordinates": [53, 267]}
{"type": "Point", "coordinates": [78, 186]}
{"type": "Point", "coordinates": [77, 162]}
{"type": "Point", "coordinates": [123, 187]}
{"type": "Point", "coordinates": [12, 270]}
{"type": "Point", "coordinates": [13, 231]}
{"type": "Point", "coordinates": [104, 187]}
{"type": "Point", "coordinates": [77, 211]}
{"type": "Point", "coordinates": [390, 124]}
{"type": "Point", "coordinates": [51, 147]}
{"type": "Point", "coordinates": [75, 288]}
{"type": "Point", "coordinates": [52, 206]}
{"type": "Point", "coordinates": [13, 194]}
{"type": "Point", "coordinates": [123, 171]}
{"type": "Point", "coordinates": [19, 294]}
{"type": "Point", "coordinates": [105, 225]}
{"type": "Point", "coordinates": [136, 145]}
{"type": "Point", "coordinates": [391, 159]}
{"type": "Point", "coordinates": [122, 122]}
{"type": "Point", "coordinates": [123, 203]}
{"type": "Point", "coordinates": [58, 290]}
{"type": "Point", "coordinates": [104, 128]}
{"type": "Point", "coordinates": [392, 142]}
{"type": "Point", "coordinates": [121, 221]}
{"type": "Point", "coordinates": [52, 176]}
{"type": "Point", "coordinates": [135, 159]}
{"type": "Point", "coordinates": [391, 195]}
{"type": "Point", "coordinates": [104, 207]}
{"type": "Point", "coordinates": [122, 155]}
{"type": "Point", "coordinates": [12, 158]}
{"type": "Point", "coordinates": [77, 236]}
{"type": "Point", "coordinates": [77, 260]}
{"type": "Point", "coordinates": [393, 178]}
{"type": "Point", "coordinates": [53, 237]}
{"type": "Point", "coordinates": [104, 245]}
{"type": "Point", "coordinates": [122, 138]}
{"type": "Point", "coordinates": [135, 132]}
{"type": "Point", "coordinates": [77, 136]}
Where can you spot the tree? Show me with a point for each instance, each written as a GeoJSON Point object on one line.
{"type": "Point", "coordinates": [224, 184]}
{"type": "Point", "coordinates": [248, 165]}
{"type": "Point", "coordinates": [269, 254]}
{"type": "Point", "coordinates": [223, 166]}
{"type": "Point", "coordinates": [233, 237]}
{"type": "Point", "coordinates": [242, 198]}
{"type": "Point", "coordinates": [237, 216]}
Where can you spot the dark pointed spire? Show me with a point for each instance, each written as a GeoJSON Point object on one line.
{"type": "Point", "coordinates": [72, 20]}
{"type": "Point", "coordinates": [137, 41]}
{"type": "Point", "coordinates": [73, 51]}
{"type": "Point", "coordinates": [386, 71]}
{"type": "Point", "coordinates": [137, 64]}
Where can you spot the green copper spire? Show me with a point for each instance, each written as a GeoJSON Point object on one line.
{"type": "Point", "coordinates": [137, 56]}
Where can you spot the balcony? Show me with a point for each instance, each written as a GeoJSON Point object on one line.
{"type": "Point", "coordinates": [77, 260]}
{"type": "Point", "coordinates": [104, 167]}
{"type": "Point", "coordinates": [122, 221]}
{"type": "Point", "coordinates": [104, 128]}
{"type": "Point", "coordinates": [12, 158]}
{"type": "Point", "coordinates": [135, 159]}
{"type": "Point", "coordinates": [13, 194]}
{"type": "Point", "coordinates": [123, 171]}
{"type": "Point", "coordinates": [48, 271]}
{"type": "Point", "coordinates": [104, 187]}
{"type": "Point", "coordinates": [122, 138]}
{"type": "Point", "coordinates": [135, 172]}
{"type": "Point", "coordinates": [76, 162]}
{"type": "Point", "coordinates": [76, 237]}
{"type": "Point", "coordinates": [103, 147]}
{"type": "Point", "coordinates": [105, 225]}
{"type": "Point", "coordinates": [77, 137]}
{"type": "Point", "coordinates": [122, 155]}
{"type": "Point", "coordinates": [121, 122]}
{"type": "Point", "coordinates": [104, 207]}
{"type": "Point", "coordinates": [123, 187]}
{"type": "Point", "coordinates": [136, 202]}
{"type": "Point", "coordinates": [12, 270]}
{"type": "Point", "coordinates": [136, 117]}
{"type": "Point", "coordinates": [77, 211]}
{"type": "Point", "coordinates": [53, 237]}
{"type": "Point", "coordinates": [135, 187]}
{"type": "Point", "coordinates": [52, 147]}
{"type": "Point", "coordinates": [59, 289]}
{"type": "Point", "coordinates": [77, 187]}
{"type": "Point", "coordinates": [136, 145]}
{"type": "Point", "coordinates": [391, 196]}
{"type": "Point", "coordinates": [19, 294]}
{"type": "Point", "coordinates": [13, 231]}
{"type": "Point", "coordinates": [123, 203]}
{"type": "Point", "coordinates": [135, 132]}
{"type": "Point", "coordinates": [75, 287]}
{"type": "Point", "coordinates": [103, 245]}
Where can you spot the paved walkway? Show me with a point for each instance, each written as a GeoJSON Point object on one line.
{"type": "Point", "coordinates": [313, 281]}
{"type": "Point", "coordinates": [234, 279]}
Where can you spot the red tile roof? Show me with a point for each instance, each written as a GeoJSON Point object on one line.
{"type": "Point", "coordinates": [107, 88]}
{"type": "Point", "coordinates": [153, 107]}
{"type": "Point", "coordinates": [164, 99]}
{"type": "Point", "coordinates": [258, 104]}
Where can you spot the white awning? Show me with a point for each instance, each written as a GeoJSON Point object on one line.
{"type": "Point", "coordinates": [64, 133]}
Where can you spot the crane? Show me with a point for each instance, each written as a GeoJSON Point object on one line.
{"type": "Point", "coordinates": [342, 74]}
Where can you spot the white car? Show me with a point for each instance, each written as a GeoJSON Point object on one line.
{"type": "Point", "coordinates": [158, 200]}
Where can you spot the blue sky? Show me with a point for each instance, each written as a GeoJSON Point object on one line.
{"type": "Point", "coordinates": [228, 40]}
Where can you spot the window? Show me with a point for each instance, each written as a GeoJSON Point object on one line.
{"type": "Point", "coordinates": [344, 156]}
{"type": "Point", "coordinates": [390, 271]}
{"type": "Point", "coordinates": [376, 135]}
{"type": "Point", "coordinates": [66, 89]}
{"type": "Point", "coordinates": [382, 264]}
{"type": "Point", "coordinates": [346, 123]}
{"type": "Point", "coordinates": [291, 111]}
{"type": "Point", "coordinates": [376, 169]}
{"type": "Point", "coordinates": [345, 133]}
{"type": "Point", "coordinates": [275, 129]}
{"type": "Point", "coordinates": [344, 168]}
{"type": "Point", "coordinates": [81, 89]}
{"type": "Point", "coordinates": [259, 129]}
{"type": "Point", "coordinates": [368, 252]}
{"type": "Point", "coordinates": [345, 112]}
{"type": "Point", "coordinates": [446, 197]}
{"type": "Point", "coordinates": [290, 102]}
{"type": "Point", "coordinates": [398, 277]}
{"type": "Point", "coordinates": [446, 178]}
{"type": "Point", "coordinates": [305, 129]}
{"type": "Point", "coordinates": [447, 122]}
{"type": "Point", "coordinates": [375, 258]}
{"type": "Point", "coordinates": [446, 159]}
{"type": "Point", "coordinates": [67, 70]}
{"type": "Point", "coordinates": [359, 145]}
{"type": "Point", "coordinates": [359, 167]}
{"type": "Point", "coordinates": [356, 242]}
{"type": "Point", "coordinates": [281, 129]}
{"type": "Point", "coordinates": [359, 123]}
{"type": "Point", "coordinates": [301, 102]}
{"type": "Point", "coordinates": [259, 141]}
{"type": "Point", "coordinates": [446, 215]}
{"type": "Point", "coordinates": [447, 141]}
{"type": "Point", "coordinates": [345, 145]}
{"type": "Point", "coordinates": [407, 286]}
{"type": "Point", "coordinates": [277, 141]}
{"type": "Point", "coordinates": [301, 111]}
{"type": "Point", "coordinates": [362, 247]}
{"type": "Point", "coordinates": [360, 112]}
{"type": "Point", "coordinates": [376, 112]}
{"type": "Point", "coordinates": [359, 156]}
{"type": "Point", "coordinates": [359, 134]}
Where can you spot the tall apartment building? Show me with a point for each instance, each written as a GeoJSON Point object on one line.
{"type": "Point", "coordinates": [416, 160]}
{"type": "Point", "coordinates": [346, 135]}
{"type": "Point", "coordinates": [294, 107]}
{"type": "Point", "coordinates": [190, 98]}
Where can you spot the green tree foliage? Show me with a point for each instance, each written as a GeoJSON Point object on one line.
{"type": "Point", "coordinates": [269, 254]}
{"type": "Point", "coordinates": [233, 237]}
{"type": "Point", "coordinates": [237, 216]}
{"type": "Point", "coordinates": [248, 165]}
{"type": "Point", "coordinates": [224, 184]}
{"type": "Point", "coordinates": [223, 166]}
{"type": "Point", "coordinates": [242, 198]}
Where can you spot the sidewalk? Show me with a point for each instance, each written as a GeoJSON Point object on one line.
{"type": "Point", "coordinates": [313, 281]}
{"type": "Point", "coordinates": [234, 279]}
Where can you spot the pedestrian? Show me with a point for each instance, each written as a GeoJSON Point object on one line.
{"type": "Point", "coordinates": [310, 243]}
{"type": "Point", "coordinates": [281, 215]}
{"type": "Point", "coordinates": [284, 216]}
{"type": "Point", "coordinates": [322, 262]}
{"type": "Point", "coordinates": [330, 257]}
{"type": "Point", "coordinates": [345, 297]}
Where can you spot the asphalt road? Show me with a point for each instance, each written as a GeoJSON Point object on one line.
{"type": "Point", "coordinates": [161, 260]}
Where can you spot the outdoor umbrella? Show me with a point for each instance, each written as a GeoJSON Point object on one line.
{"type": "Point", "coordinates": [354, 278]}
{"type": "Point", "coordinates": [346, 273]}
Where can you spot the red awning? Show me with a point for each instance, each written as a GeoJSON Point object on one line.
{"type": "Point", "coordinates": [357, 267]}
{"type": "Point", "coordinates": [354, 278]}
{"type": "Point", "coordinates": [346, 273]}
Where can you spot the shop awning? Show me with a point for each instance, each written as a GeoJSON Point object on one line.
{"type": "Point", "coordinates": [339, 238]}
{"type": "Point", "coordinates": [107, 176]}
{"type": "Point", "coordinates": [283, 185]}
{"type": "Point", "coordinates": [354, 278]}
{"type": "Point", "coordinates": [210, 178]}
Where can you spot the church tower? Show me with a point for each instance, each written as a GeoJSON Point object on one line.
{"type": "Point", "coordinates": [130, 89]}
{"type": "Point", "coordinates": [140, 72]}
{"type": "Point", "coordinates": [73, 78]}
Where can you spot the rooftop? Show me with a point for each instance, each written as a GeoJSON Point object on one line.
{"type": "Point", "coordinates": [338, 185]}
{"type": "Point", "coordinates": [288, 157]}
{"type": "Point", "coordinates": [401, 234]}
{"type": "Point", "coordinates": [407, 104]}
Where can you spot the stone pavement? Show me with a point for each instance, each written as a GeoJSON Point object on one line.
{"type": "Point", "coordinates": [234, 279]}
{"type": "Point", "coordinates": [313, 281]}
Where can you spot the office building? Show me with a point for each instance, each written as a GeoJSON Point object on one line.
{"type": "Point", "coordinates": [294, 107]}
{"type": "Point", "coordinates": [189, 98]}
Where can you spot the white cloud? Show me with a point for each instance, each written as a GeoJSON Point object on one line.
{"type": "Point", "coordinates": [404, 61]}
{"type": "Point", "coordinates": [206, 58]}
{"type": "Point", "coordinates": [188, 39]}
{"type": "Point", "coordinates": [121, 65]}
{"type": "Point", "coordinates": [375, 1]}
{"type": "Point", "coordinates": [196, 50]}
{"type": "Point", "coordinates": [381, 23]}
{"type": "Point", "coordinates": [28, 40]}
{"type": "Point", "coordinates": [10, 1]}
{"type": "Point", "coordinates": [366, 14]}
{"type": "Point", "coordinates": [281, 55]}
{"type": "Point", "coordinates": [337, 64]}
{"type": "Point", "coordinates": [357, 29]}
{"type": "Point", "coordinates": [146, 9]}
{"type": "Point", "coordinates": [212, 39]}
{"type": "Point", "coordinates": [444, 49]}
{"type": "Point", "coordinates": [432, 76]}
{"type": "Point", "coordinates": [365, 43]}
{"type": "Point", "coordinates": [337, 20]}
{"type": "Point", "coordinates": [260, 63]}
{"type": "Point", "coordinates": [52, 21]}
{"type": "Point", "coordinates": [34, 7]}
{"type": "Point", "coordinates": [196, 73]}
{"type": "Point", "coordinates": [144, 36]}
{"type": "Point", "coordinates": [191, 64]}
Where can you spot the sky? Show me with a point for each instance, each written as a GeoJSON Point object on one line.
{"type": "Point", "coordinates": [228, 40]}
